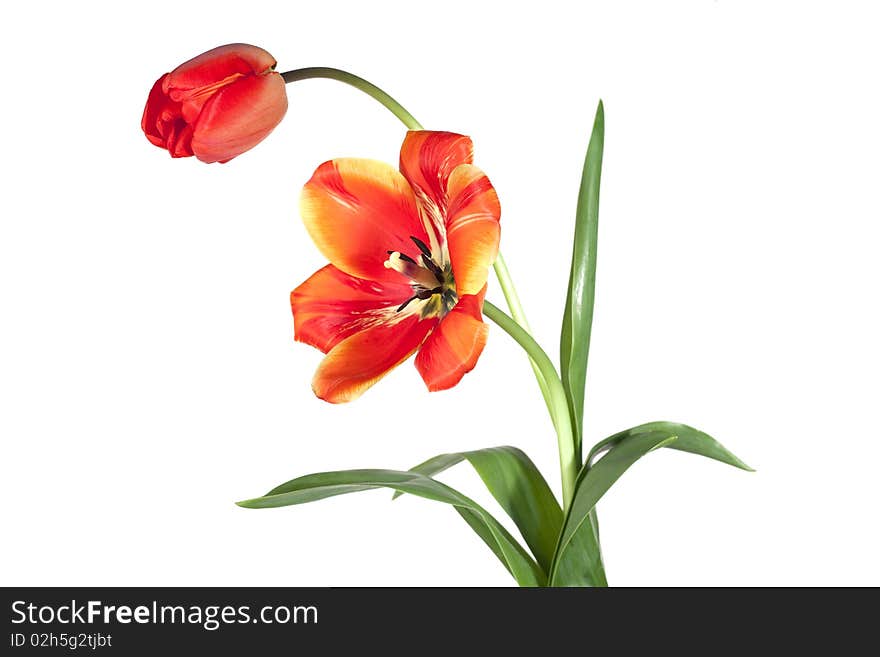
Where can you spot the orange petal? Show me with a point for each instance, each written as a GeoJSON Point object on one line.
{"type": "Point", "coordinates": [238, 117]}
{"type": "Point", "coordinates": [427, 158]}
{"type": "Point", "coordinates": [362, 359]}
{"type": "Point", "coordinates": [452, 350]}
{"type": "Point", "coordinates": [331, 306]}
{"type": "Point", "coordinates": [472, 227]}
{"type": "Point", "coordinates": [356, 211]}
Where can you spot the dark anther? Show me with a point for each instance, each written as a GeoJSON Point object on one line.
{"type": "Point", "coordinates": [403, 256]}
{"type": "Point", "coordinates": [427, 294]}
{"type": "Point", "coordinates": [404, 304]}
{"type": "Point", "coordinates": [422, 294]}
{"type": "Point", "coordinates": [422, 246]}
{"type": "Point", "coordinates": [433, 268]}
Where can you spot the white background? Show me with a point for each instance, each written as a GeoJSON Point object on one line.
{"type": "Point", "coordinates": [148, 376]}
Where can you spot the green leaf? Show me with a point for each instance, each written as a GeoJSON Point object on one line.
{"type": "Point", "coordinates": [518, 486]}
{"type": "Point", "coordinates": [581, 562]}
{"type": "Point", "coordinates": [689, 440]}
{"type": "Point", "coordinates": [573, 566]}
{"type": "Point", "coordinates": [328, 484]}
{"type": "Point", "coordinates": [577, 320]}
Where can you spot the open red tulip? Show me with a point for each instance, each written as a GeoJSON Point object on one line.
{"type": "Point", "coordinates": [217, 105]}
{"type": "Point", "coordinates": [409, 253]}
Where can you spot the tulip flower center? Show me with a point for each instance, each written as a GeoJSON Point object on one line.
{"type": "Point", "coordinates": [430, 277]}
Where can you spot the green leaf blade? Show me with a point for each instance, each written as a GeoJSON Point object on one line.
{"type": "Point", "coordinates": [577, 319]}
{"type": "Point", "coordinates": [581, 563]}
{"type": "Point", "coordinates": [571, 568]}
{"type": "Point", "coordinates": [310, 488]}
{"type": "Point", "coordinates": [689, 440]}
{"type": "Point", "coordinates": [519, 488]}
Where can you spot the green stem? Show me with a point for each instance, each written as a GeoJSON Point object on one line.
{"type": "Point", "coordinates": [558, 402]}
{"type": "Point", "coordinates": [358, 83]}
{"type": "Point", "coordinates": [516, 310]}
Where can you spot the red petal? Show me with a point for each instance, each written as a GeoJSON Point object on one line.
{"type": "Point", "coordinates": [356, 211]}
{"type": "Point", "coordinates": [472, 227]}
{"type": "Point", "coordinates": [157, 101]}
{"type": "Point", "coordinates": [238, 117]}
{"type": "Point", "coordinates": [179, 142]}
{"type": "Point", "coordinates": [427, 158]}
{"type": "Point", "coordinates": [163, 124]}
{"type": "Point", "coordinates": [218, 64]}
{"type": "Point", "coordinates": [452, 350]}
{"type": "Point", "coordinates": [195, 82]}
{"type": "Point", "coordinates": [331, 305]}
{"type": "Point", "coordinates": [362, 359]}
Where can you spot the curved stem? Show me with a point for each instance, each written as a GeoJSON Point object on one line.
{"type": "Point", "coordinates": [510, 295]}
{"type": "Point", "coordinates": [558, 402]}
{"type": "Point", "coordinates": [358, 83]}
{"type": "Point", "coordinates": [516, 310]}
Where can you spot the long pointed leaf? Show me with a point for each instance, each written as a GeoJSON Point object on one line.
{"type": "Point", "coordinates": [573, 567]}
{"type": "Point", "coordinates": [689, 440]}
{"type": "Point", "coordinates": [581, 563]}
{"type": "Point", "coordinates": [577, 320]}
{"type": "Point", "coordinates": [328, 484]}
{"type": "Point", "coordinates": [518, 486]}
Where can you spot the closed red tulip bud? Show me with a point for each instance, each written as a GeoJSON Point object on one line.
{"type": "Point", "coordinates": [217, 105]}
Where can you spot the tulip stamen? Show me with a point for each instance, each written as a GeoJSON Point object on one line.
{"type": "Point", "coordinates": [431, 283]}
{"type": "Point", "coordinates": [434, 268]}
{"type": "Point", "coordinates": [402, 256]}
{"type": "Point", "coordinates": [422, 247]}
{"type": "Point", "coordinates": [422, 294]}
